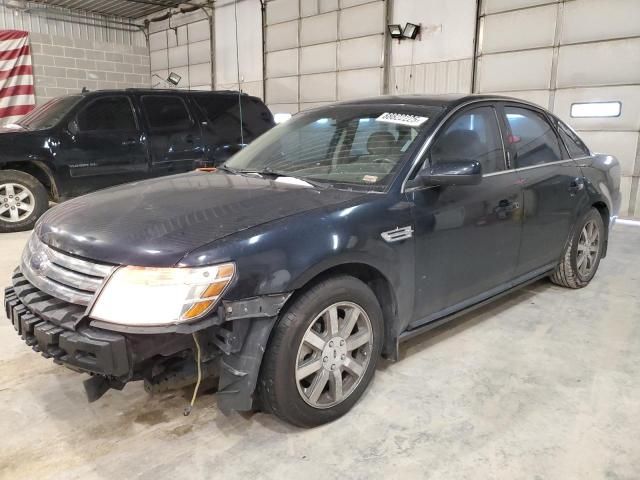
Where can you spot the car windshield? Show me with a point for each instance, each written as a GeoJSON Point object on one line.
{"type": "Point", "coordinates": [346, 146]}
{"type": "Point", "coordinates": [49, 114]}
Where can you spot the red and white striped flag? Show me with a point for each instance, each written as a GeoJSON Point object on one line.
{"type": "Point", "coordinates": [16, 76]}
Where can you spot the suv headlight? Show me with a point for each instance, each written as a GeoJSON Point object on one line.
{"type": "Point", "coordinates": [142, 296]}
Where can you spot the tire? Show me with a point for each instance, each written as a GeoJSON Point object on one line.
{"type": "Point", "coordinates": [303, 337]}
{"type": "Point", "coordinates": [18, 214]}
{"type": "Point", "coordinates": [582, 254]}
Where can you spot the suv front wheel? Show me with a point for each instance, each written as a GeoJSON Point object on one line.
{"type": "Point", "coordinates": [323, 353]}
{"type": "Point", "coordinates": [22, 200]}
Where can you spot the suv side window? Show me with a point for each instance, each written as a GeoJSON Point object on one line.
{"type": "Point", "coordinates": [573, 143]}
{"type": "Point", "coordinates": [473, 135]}
{"type": "Point", "coordinates": [166, 112]}
{"type": "Point", "coordinates": [223, 114]}
{"type": "Point", "coordinates": [532, 137]}
{"type": "Point", "coordinates": [108, 113]}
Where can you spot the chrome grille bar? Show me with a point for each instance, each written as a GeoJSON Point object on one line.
{"type": "Point", "coordinates": [62, 276]}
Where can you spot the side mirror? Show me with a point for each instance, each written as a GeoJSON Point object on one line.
{"type": "Point", "coordinates": [456, 172]}
{"type": "Point", "coordinates": [73, 127]}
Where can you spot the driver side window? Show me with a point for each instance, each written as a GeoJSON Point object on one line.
{"type": "Point", "coordinates": [473, 135]}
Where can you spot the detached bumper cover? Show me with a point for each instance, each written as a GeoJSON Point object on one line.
{"type": "Point", "coordinates": [87, 349]}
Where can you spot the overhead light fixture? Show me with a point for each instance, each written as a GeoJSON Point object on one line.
{"type": "Point", "coordinates": [281, 117]}
{"type": "Point", "coordinates": [395, 30]}
{"type": "Point", "coordinates": [174, 78]}
{"type": "Point", "coordinates": [411, 31]}
{"type": "Point", "coordinates": [596, 109]}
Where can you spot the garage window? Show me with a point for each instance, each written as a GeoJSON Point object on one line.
{"type": "Point", "coordinates": [109, 113]}
{"type": "Point", "coordinates": [533, 139]}
{"type": "Point", "coordinates": [166, 112]}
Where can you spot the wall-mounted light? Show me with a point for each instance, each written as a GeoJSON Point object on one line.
{"type": "Point", "coordinates": [596, 109]}
{"type": "Point", "coordinates": [410, 31]}
{"type": "Point", "coordinates": [174, 78]}
{"type": "Point", "coordinates": [395, 30]}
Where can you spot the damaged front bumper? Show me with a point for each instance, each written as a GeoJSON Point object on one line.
{"type": "Point", "coordinates": [232, 345]}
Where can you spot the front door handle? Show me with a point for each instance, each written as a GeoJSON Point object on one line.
{"type": "Point", "coordinates": [576, 185]}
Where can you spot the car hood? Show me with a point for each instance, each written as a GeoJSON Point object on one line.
{"type": "Point", "coordinates": [156, 222]}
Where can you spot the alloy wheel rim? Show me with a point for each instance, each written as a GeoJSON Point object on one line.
{"type": "Point", "coordinates": [16, 202]}
{"type": "Point", "coordinates": [333, 355]}
{"type": "Point", "coordinates": [588, 248]}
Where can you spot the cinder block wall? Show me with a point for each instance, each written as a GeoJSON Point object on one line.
{"type": "Point", "coordinates": [64, 65]}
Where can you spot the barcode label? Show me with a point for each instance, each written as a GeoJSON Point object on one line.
{"type": "Point", "coordinates": [402, 119]}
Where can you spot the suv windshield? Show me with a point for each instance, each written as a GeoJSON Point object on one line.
{"type": "Point", "coordinates": [49, 114]}
{"type": "Point", "coordinates": [361, 146]}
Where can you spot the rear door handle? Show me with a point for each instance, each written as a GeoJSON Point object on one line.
{"type": "Point", "coordinates": [130, 142]}
{"type": "Point", "coordinates": [576, 185]}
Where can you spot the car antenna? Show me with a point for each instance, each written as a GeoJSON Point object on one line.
{"type": "Point", "coordinates": [235, 12]}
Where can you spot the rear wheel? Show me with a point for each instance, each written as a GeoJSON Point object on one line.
{"type": "Point", "coordinates": [582, 255]}
{"type": "Point", "coordinates": [22, 200]}
{"type": "Point", "coordinates": [323, 353]}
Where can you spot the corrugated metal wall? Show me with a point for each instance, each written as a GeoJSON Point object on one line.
{"type": "Point", "coordinates": [51, 21]}
{"type": "Point", "coordinates": [322, 51]}
{"type": "Point", "coordinates": [556, 53]}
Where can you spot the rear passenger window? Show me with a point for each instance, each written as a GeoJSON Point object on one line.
{"type": "Point", "coordinates": [108, 113]}
{"type": "Point", "coordinates": [533, 139]}
{"type": "Point", "coordinates": [474, 135]}
{"type": "Point", "coordinates": [223, 114]}
{"type": "Point", "coordinates": [166, 112]}
{"type": "Point", "coordinates": [575, 146]}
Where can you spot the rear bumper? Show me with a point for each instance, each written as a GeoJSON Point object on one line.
{"type": "Point", "coordinates": [87, 349]}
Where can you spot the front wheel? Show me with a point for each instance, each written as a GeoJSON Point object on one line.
{"type": "Point", "coordinates": [323, 353]}
{"type": "Point", "coordinates": [22, 200]}
{"type": "Point", "coordinates": [582, 255]}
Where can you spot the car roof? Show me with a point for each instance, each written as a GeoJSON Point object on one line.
{"type": "Point", "coordinates": [161, 91]}
{"type": "Point", "coordinates": [442, 101]}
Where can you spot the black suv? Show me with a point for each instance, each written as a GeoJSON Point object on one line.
{"type": "Point", "coordinates": [80, 143]}
{"type": "Point", "coordinates": [322, 245]}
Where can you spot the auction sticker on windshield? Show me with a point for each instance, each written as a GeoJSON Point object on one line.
{"type": "Point", "coordinates": [402, 119]}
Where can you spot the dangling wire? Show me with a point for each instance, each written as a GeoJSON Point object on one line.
{"type": "Point", "coordinates": [235, 12]}
{"type": "Point", "coordinates": [189, 407]}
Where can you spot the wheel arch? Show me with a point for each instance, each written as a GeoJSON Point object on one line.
{"type": "Point", "coordinates": [40, 171]}
{"type": "Point", "coordinates": [604, 212]}
{"type": "Point", "coordinates": [375, 279]}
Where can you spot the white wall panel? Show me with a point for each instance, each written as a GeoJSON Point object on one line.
{"type": "Point", "coordinates": [588, 20]}
{"type": "Point", "coordinates": [282, 90]}
{"type": "Point", "coordinates": [602, 63]}
{"type": "Point", "coordinates": [318, 58]}
{"type": "Point", "coordinates": [629, 118]}
{"type": "Point", "coordinates": [622, 145]}
{"type": "Point", "coordinates": [200, 74]}
{"type": "Point", "coordinates": [281, 36]}
{"type": "Point", "coordinates": [200, 52]}
{"type": "Point", "coordinates": [447, 31]}
{"type": "Point", "coordinates": [361, 52]}
{"type": "Point", "coordinates": [178, 56]}
{"type": "Point", "coordinates": [291, 108]}
{"type": "Point", "coordinates": [282, 11]}
{"type": "Point", "coordinates": [528, 70]}
{"type": "Point", "coordinates": [432, 78]}
{"type": "Point", "coordinates": [366, 19]}
{"type": "Point", "coordinates": [320, 87]}
{"type": "Point", "coordinates": [328, 5]}
{"type": "Point", "coordinates": [282, 63]}
{"type": "Point", "coordinates": [157, 41]}
{"type": "Point", "coordinates": [494, 6]}
{"type": "Point", "coordinates": [511, 31]}
{"type": "Point", "coordinates": [359, 83]}
{"type": "Point", "coordinates": [353, 3]}
{"type": "Point", "coordinates": [199, 31]}
{"type": "Point", "coordinates": [625, 194]}
{"type": "Point", "coordinates": [319, 29]}
{"type": "Point", "coordinates": [539, 97]}
{"type": "Point", "coordinates": [309, 8]}
{"type": "Point", "coordinates": [159, 60]}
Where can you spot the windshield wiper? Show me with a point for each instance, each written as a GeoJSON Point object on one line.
{"type": "Point", "coordinates": [268, 172]}
{"type": "Point", "coordinates": [230, 170]}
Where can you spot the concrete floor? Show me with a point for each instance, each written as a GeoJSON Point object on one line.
{"type": "Point", "coordinates": [544, 384]}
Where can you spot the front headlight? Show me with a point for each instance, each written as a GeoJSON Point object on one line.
{"type": "Point", "coordinates": [142, 296]}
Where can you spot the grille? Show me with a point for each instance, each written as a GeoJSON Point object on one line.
{"type": "Point", "coordinates": [62, 276]}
